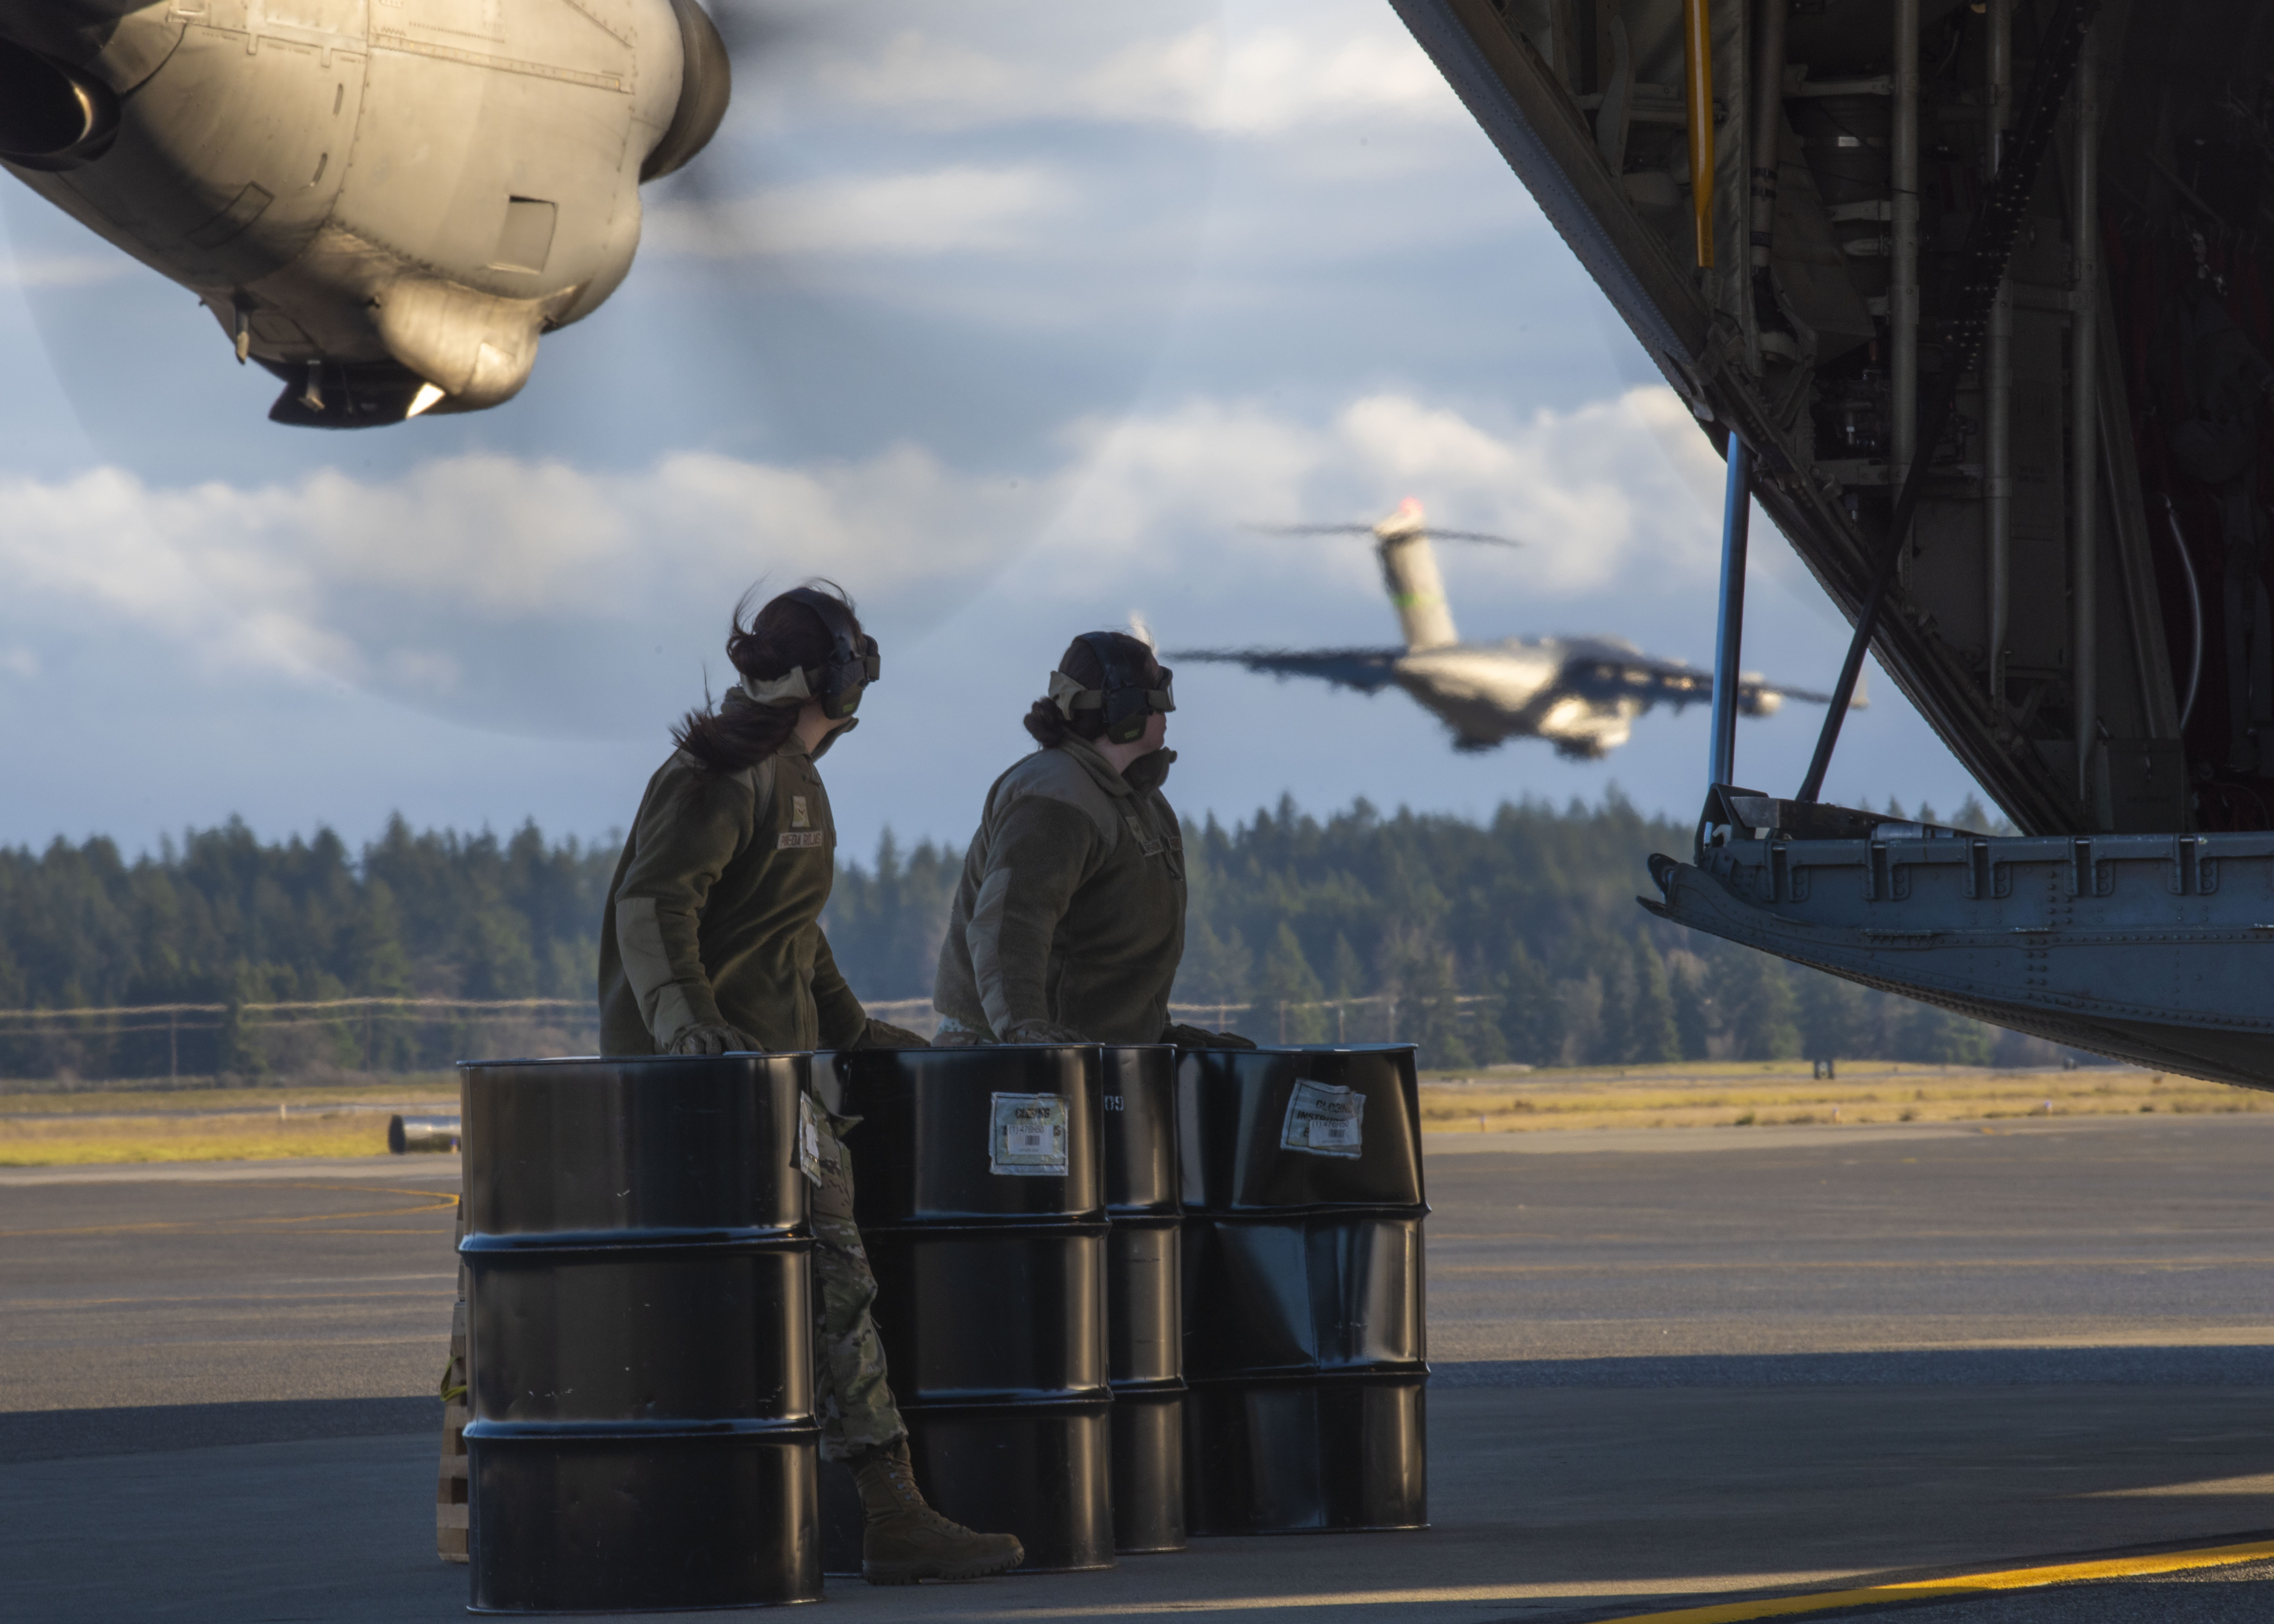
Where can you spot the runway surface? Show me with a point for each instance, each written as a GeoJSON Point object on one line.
{"type": "Point", "coordinates": [1672, 1368]}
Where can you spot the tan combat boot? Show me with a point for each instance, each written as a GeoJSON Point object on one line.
{"type": "Point", "coordinates": [907, 1540]}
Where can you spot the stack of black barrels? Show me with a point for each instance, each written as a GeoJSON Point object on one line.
{"type": "Point", "coordinates": [980, 1194]}
{"type": "Point", "coordinates": [1144, 1298]}
{"type": "Point", "coordinates": [1303, 1330]}
{"type": "Point", "coordinates": [640, 1335]}
{"type": "Point", "coordinates": [1064, 1237]}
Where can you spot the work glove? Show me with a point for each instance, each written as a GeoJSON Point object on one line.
{"type": "Point", "coordinates": [704, 1037]}
{"type": "Point", "coordinates": [1201, 1037]}
{"type": "Point", "coordinates": [1042, 1032]}
{"type": "Point", "coordinates": [884, 1034]}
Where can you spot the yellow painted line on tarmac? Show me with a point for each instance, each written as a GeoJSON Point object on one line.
{"type": "Point", "coordinates": [442, 1205]}
{"type": "Point", "coordinates": [1413, 1595]}
{"type": "Point", "coordinates": [430, 1229]}
{"type": "Point", "coordinates": [437, 1202]}
{"type": "Point", "coordinates": [219, 1297]}
{"type": "Point", "coordinates": [1965, 1584]}
{"type": "Point", "coordinates": [2256, 1482]}
{"type": "Point", "coordinates": [1726, 1612]}
{"type": "Point", "coordinates": [1843, 1266]}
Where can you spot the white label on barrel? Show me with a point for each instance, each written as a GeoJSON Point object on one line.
{"type": "Point", "coordinates": [1324, 1120]}
{"type": "Point", "coordinates": [1027, 1135]}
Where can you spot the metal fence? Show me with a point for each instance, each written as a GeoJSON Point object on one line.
{"type": "Point", "coordinates": [183, 1042]}
{"type": "Point", "coordinates": [1374, 1019]}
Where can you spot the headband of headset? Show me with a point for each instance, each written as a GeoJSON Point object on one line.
{"type": "Point", "coordinates": [838, 681]}
{"type": "Point", "coordinates": [1125, 696]}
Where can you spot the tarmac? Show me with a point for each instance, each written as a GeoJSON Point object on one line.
{"type": "Point", "coordinates": [1675, 1368]}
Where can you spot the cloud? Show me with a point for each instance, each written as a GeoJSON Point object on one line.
{"type": "Point", "coordinates": [532, 596]}
{"type": "Point", "coordinates": [1281, 79]}
{"type": "Point", "coordinates": [1333, 64]}
{"type": "Point", "coordinates": [55, 270]}
{"type": "Point", "coordinates": [522, 594]}
{"type": "Point", "coordinates": [1600, 495]}
{"type": "Point", "coordinates": [964, 208]}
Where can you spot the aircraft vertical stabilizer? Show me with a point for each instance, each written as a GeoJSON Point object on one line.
{"type": "Point", "coordinates": [1409, 570]}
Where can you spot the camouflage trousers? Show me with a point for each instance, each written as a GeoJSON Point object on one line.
{"type": "Point", "coordinates": [852, 1399]}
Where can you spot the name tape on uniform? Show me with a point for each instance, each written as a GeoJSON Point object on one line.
{"type": "Point", "coordinates": [1323, 1120]}
{"type": "Point", "coordinates": [792, 838]}
{"type": "Point", "coordinates": [1027, 1135]}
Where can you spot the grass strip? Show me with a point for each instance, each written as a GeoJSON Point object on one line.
{"type": "Point", "coordinates": [1784, 1093]}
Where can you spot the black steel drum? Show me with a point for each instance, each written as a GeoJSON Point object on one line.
{"type": "Point", "coordinates": [639, 1334]}
{"type": "Point", "coordinates": [979, 1188]}
{"type": "Point", "coordinates": [1304, 1341]}
{"type": "Point", "coordinates": [1144, 1336]}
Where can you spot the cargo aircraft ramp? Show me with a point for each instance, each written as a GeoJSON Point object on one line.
{"type": "Point", "coordinates": [1967, 295]}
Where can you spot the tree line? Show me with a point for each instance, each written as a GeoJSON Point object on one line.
{"type": "Point", "coordinates": [1513, 939]}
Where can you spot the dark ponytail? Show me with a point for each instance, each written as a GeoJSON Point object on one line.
{"type": "Point", "coordinates": [1049, 729]}
{"type": "Point", "coordinates": [783, 636]}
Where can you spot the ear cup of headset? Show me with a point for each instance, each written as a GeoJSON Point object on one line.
{"type": "Point", "coordinates": [845, 676]}
{"type": "Point", "coordinates": [1132, 730]}
{"type": "Point", "coordinates": [1126, 711]}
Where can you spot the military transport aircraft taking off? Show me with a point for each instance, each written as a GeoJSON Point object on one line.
{"type": "Point", "coordinates": [385, 205]}
{"type": "Point", "coordinates": [1581, 694]}
{"type": "Point", "coordinates": [1971, 294]}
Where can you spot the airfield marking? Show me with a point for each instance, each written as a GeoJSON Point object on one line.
{"type": "Point", "coordinates": [1915, 1590]}
{"type": "Point", "coordinates": [223, 1297]}
{"type": "Point", "coordinates": [2256, 1483]}
{"type": "Point", "coordinates": [1839, 1263]}
{"type": "Point", "coordinates": [1411, 1596]}
{"type": "Point", "coordinates": [1726, 1612]}
{"type": "Point", "coordinates": [437, 1202]}
{"type": "Point", "coordinates": [372, 1231]}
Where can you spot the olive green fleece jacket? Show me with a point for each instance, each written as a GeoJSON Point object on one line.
{"type": "Point", "coordinates": [1071, 904]}
{"type": "Point", "coordinates": [712, 914]}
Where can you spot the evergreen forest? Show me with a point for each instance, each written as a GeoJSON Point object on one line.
{"type": "Point", "coordinates": [1516, 939]}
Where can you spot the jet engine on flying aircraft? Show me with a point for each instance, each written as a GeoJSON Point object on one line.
{"type": "Point", "coordinates": [1581, 695]}
{"type": "Point", "coordinates": [384, 202]}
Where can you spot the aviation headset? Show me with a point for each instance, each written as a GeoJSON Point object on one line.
{"type": "Point", "coordinates": [1126, 701]}
{"type": "Point", "coordinates": [838, 682]}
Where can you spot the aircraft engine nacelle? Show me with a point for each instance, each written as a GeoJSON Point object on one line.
{"type": "Point", "coordinates": [1759, 701]}
{"type": "Point", "coordinates": [52, 116]}
{"type": "Point", "coordinates": [386, 202]}
{"type": "Point", "coordinates": [1587, 730]}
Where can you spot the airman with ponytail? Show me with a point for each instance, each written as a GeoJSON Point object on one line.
{"type": "Point", "coordinates": [711, 943]}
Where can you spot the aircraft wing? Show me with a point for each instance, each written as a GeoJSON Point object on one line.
{"type": "Point", "coordinates": [1367, 670]}
{"type": "Point", "coordinates": [1603, 670]}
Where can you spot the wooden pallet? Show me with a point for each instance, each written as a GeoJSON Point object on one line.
{"type": "Point", "coordinates": [451, 1524]}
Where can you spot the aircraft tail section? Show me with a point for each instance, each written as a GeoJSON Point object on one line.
{"type": "Point", "coordinates": [1409, 571]}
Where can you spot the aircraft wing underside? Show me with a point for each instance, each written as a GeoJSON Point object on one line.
{"type": "Point", "coordinates": [1367, 670]}
{"type": "Point", "coordinates": [2091, 696]}
{"type": "Point", "coordinates": [1609, 676]}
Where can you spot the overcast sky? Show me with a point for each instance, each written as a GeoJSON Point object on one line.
{"type": "Point", "coordinates": [1008, 316]}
